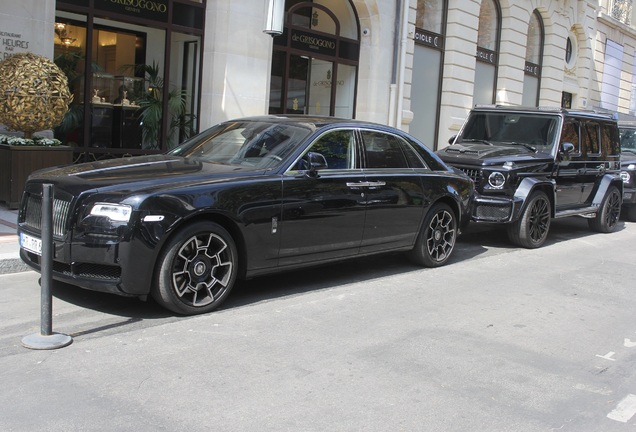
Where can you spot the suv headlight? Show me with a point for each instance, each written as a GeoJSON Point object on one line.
{"type": "Point", "coordinates": [497, 180]}
{"type": "Point", "coordinates": [114, 212]}
{"type": "Point", "coordinates": [625, 176]}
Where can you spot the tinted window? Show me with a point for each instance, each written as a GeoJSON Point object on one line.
{"type": "Point", "coordinates": [570, 134]}
{"type": "Point", "coordinates": [591, 138]}
{"type": "Point", "coordinates": [383, 150]}
{"type": "Point", "coordinates": [610, 141]}
{"type": "Point", "coordinates": [337, 147]}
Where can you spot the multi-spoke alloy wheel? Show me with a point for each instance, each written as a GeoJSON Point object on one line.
{"type": "Point", "coordinates": [609, 211]}
{"type": "Point", "coordinates": [436, 240]}
{"type": "Point", "coordinates": [531, 229]}
{"type": "Point", "coordinates": [197, 270]}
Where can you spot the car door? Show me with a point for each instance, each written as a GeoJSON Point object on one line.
{"type": "Point", "coordinates": [395, 194]}
{"type": "Point", "coordinates": [323, 212]}
{"type": "Point", "coordinates": [569, 167]}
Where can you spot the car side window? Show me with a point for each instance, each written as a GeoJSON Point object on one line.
{"type": "Point", "coordinates": [591, 138]}
{"type": "Point", "coordinates": [337, 147]}
{"type": "Point", "coordinates": [388, 151]}
{"type": "Point", "coordinates": [570, 134]}
{"type": "Point", "coordinates": [610, 140]}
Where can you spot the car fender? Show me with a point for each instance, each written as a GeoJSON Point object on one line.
{"type": "Point", "coordinates": [527, 186]}
{"type": "Point", "coordinates": [605, 183]}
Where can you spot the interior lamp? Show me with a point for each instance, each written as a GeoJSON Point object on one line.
{"type": "Point", "coordinates": [274, 17]}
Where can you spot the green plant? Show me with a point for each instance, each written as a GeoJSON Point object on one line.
{"type": "Point", "coordinates": [151, 108]}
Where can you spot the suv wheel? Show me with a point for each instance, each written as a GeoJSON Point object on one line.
{"type": "Point", "coordinates": [531, 229]}
{"type": "Point", "coordinates": [608, 213]}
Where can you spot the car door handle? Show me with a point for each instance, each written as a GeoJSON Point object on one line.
{"type": "Point", "coordinates": [366, 184]}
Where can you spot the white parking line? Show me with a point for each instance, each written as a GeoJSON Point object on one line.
{"type": "Point", "coordinates": [625, 409]}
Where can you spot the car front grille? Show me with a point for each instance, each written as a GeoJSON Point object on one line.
{"type": "Point", "coordinates": [33, 214]}
{"type": "Point", "coordinates": [474, 174]}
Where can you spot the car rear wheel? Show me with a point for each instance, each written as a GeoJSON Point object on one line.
{"type": "Point", "coordinates": [197, 269]}
{"type": "Point", "coordinates": [436, 240]}
{"type": "Point", "coordinates": [608, 213]}
{"type": "Point", "coordinates": [531, 229]}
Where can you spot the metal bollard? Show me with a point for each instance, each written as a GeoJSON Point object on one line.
{"type": "Point", "coordinates": [46, 339]}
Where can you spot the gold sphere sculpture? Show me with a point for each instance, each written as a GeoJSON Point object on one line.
{"type": "Point", "coordinates": [34, 93]}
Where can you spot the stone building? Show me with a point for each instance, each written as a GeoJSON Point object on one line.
{"type": "Point", "coordinates": [419, 65]}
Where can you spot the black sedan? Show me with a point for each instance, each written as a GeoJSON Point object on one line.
{"type": "Point", "coordinates": [245, 198]}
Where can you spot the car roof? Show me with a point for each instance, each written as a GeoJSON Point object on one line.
{"type": "Point", "coordinates": [604, 115]}
{"type": "Point", "coordinates": [316, 120]}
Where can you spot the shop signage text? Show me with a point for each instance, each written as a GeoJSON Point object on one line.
{"type": "Point", "coordinates": [156, 10]}
{"type": "Point", "coordinates": [486, 56]}
{"type": "Point", "coordinates": [429, 39]}
{"type": "Point", "coordinates": [312, 43]}
{"type": "Point", "coordinates": [532, 69]}
{"type": "Point", "coordinates": [12, 43]}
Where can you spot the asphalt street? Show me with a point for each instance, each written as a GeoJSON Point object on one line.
{"type": "Point", "coordinates": [501, 339]}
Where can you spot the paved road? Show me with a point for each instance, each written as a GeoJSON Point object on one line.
{"type": "Point", "coordinates": [502, 339]}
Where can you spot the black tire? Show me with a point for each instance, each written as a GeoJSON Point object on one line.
{"type": "Point", "coordinates": [531, 229]}
{"type": "Point", "coordinates": [609, 212]}
{"type": "Point", "coordinates": [197, 269]}
{"type": "Point", "coordinates": [436, 240]}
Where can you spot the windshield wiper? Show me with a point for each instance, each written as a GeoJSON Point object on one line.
{"type": "Point", "coordinates": [628, 150]}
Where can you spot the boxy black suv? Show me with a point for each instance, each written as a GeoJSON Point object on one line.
{"type": "Point", "coordinates": [628, 168]}
{"type": "Point", "coordinates": [530, 165]}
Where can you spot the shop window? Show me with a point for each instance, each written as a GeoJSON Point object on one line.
{"type": "Point", "coordinates": [428, 59]}
{"type": "Point", "coordinates": [534, 57]}
{"type": "Point", "coordinates": [487, 53]}
{"type": "Point", "coordinates": [315, 60]}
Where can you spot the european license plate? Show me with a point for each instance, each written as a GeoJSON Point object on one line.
{"type": "Point", "coordinates": [30, 243]}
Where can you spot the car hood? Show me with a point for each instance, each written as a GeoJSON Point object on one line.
{"type": "Point", "coordinates": [140, 173]}
{"type": "Point", "coordinates": [485, 154]}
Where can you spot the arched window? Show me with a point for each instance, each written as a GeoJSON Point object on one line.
{"type": "Point", "coordinates": [534, 59]}
{"type": "Point", "coordinates": [428, 56]}
{"type": "Point", "coordinates": [487, 53]}
{"type": "Point", "coordinates": [315, 60]}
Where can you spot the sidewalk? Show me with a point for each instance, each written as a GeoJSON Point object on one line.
{"type": "Point", "coordinates": [10, 261]}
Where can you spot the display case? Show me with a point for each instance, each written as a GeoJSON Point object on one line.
{"type": "Point", "coordinates": [115, 114]}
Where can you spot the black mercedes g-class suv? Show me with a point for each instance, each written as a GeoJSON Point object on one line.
{"type": "Point", "coordinates": [628, 168]}
{"type": "Point", "coordinates": [530, 165]}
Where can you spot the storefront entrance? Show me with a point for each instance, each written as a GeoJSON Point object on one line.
{"type": "Point", "coordinates": [134, 75]}
{"type": "Point", "coordinates": [315, 60]}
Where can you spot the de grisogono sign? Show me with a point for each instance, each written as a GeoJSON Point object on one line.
{"type": "Point", "coordinates": [313, 43]}
{"type": "Point", "coordinates": [156, 10]}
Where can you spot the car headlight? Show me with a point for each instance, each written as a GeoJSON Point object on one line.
{"type": "Point", "coordinates": [625, 176]}
{"type": "Point", "coordinates": [631, 167]}
{"type": "Point", "coordinates": [114, 212]}
{"type": "Point", "coordinates": [496, 180]}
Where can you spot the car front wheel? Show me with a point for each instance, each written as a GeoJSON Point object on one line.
{"type": "Point", "coordinates": [608, 213]}
{"type": "Point", "coordinates": [436, 240]}
{"type": "Point", "coordinates": [197, 269]}
{"type": "Point", "coordinates": [531, 229]}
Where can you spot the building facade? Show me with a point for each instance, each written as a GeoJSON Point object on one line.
{"type": "Point", "coordinates": [146, 74]}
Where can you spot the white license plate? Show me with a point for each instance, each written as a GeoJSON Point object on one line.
{"type": "Point", "coordinates": [30, 243]}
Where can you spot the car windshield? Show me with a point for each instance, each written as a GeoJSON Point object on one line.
{"type": "Point", "coordinates": [531, 130]}
{"type": "Point", "coordinates": [260, 144]}
{"type": "Point", "coordinates": [628, 140]}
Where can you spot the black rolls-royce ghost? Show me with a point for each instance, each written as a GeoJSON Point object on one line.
{"type": "Point", "coordinates": [245, 198]}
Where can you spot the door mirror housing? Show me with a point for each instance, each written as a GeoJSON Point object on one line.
{"type": "Point", "coordinates": [567, 148]}
{"type": "Point", "coordinates": [315, 162]}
